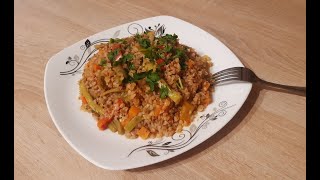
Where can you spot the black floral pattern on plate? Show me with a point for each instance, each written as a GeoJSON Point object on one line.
{"type": "Point", "coordinates": [186, 137]}
{"type": "Point", "coordinates": [88, 51]}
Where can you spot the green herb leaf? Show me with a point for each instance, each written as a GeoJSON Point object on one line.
{"type": "Point", "coordinates": [111, 55]}
{"type": "Point", "coordinates": [145, 43]}
{"type": "Point", "coordinates": [127, 57]}
{"type": "Point", "coordinates": [153, 76]}
{"type": "Point", "coordinates": [128, 79]}
{"type": "Point", "coordinates": [168, 48]}
{"type": "Point", "coordinates": [180, 53]}
{"type": "Point", "coordinates": [131, 66]}
{"type": "Point", "coordinates": [138, 76]}
{"type": "Point", "coordinates": [151, 53]}
{"type": "Point", "coordinates": [150, 83]}
{"type": "Point", "coordinates": [162, 56]}
{"type": "Point", "coordinates": [103, 62]}
{"type": "Point", "coordinates": [168, 38]}
{"type": "Point", "coordinates": [164, 91]}
{"type": "Point", "coordinates": [152, 79]}
{"type": "Point", "coordinates": [137, 36]}
{"type": "Point", "coordinates": [117, 40]}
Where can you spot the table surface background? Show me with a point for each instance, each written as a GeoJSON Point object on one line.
{"type": "Point", "coordinates": [266, 139]}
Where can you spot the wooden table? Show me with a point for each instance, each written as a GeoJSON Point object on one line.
{"type": "Point", "coordinates": [266, 139]}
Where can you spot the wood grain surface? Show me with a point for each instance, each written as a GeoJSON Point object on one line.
{"type": "Point", "coordinates": [265, 140]}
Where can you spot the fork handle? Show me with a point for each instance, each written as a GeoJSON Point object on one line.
{"type": "Point", "coordinates": [292, 89]}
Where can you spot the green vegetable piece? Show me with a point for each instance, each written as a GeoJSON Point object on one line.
{"type": "Point", "coordinates": [132, 124]}
{"type": "Point", "coordinates": [179, 83]}
{"type": "Point", "coordinates": [112, 126]}
{"type": "Point", "coordinates": [118, 126]}
{"type": "Point", "coordinates": [151, 53]}
{"type": "Point", "coordinates": [84, 92]}
{"type": "Point", "coordinates": [175, 96]}
{"type": "Point", "coordinates": [164, 91]}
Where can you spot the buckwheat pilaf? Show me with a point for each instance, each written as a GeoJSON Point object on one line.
{"type": "Point", "coordinates": [145, 86]}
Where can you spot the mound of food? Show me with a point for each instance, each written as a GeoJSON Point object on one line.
{"type": "Point", "coordinates": [145, 86]}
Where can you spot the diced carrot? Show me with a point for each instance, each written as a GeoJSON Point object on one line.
{"type": "Point", "coordinates": [125, 122]}
{"type": "Point", "coordinates": [160, 61]}
{"type": "Point", "coordinates": [143, 132]}
{"type": "Point", "coordinates": [190, 63]}
{"type": "Point", "coordinates": [96, 67]}
{"type": "Point", "coordinates": [133, 111]}
{"type": "Point", "coordinates": [119, 101]}
{"type": "Point", "coordinates": [188, 122]}
{"type": "Point", "coordinates": [103, 123]}
{"type": "Point", "coordinates": [157, 110]}
{"type": "Point", "coordinates": [84, 101]}
{"type": "Point", "coordinates": [115, 46]}
{"type": "Point", "coordinates": [186, 111]}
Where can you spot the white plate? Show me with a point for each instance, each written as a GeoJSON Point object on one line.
{"type": "Point", "coordinates": [110, 150]}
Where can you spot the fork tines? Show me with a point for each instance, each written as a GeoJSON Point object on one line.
{"type": "Point", "coordinates": [229, 74]}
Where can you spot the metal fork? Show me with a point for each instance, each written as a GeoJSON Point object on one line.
{"type": "Point", "coordinates": [245, 74]}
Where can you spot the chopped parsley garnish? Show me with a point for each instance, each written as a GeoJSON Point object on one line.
{"type": "Point", "coordinates": [153, 76]}
{"type": "Point", "coordinates": [168, 38]}
{"type": "Point", "coordinates": [181, 54]}
{"type": "Point", "coordinates": [135, 77]}
{"type": "Point", "coordinates": [151, 84]}
{"type": "Point", "coordinates": [111, 40]}
{"type": "Point", "coordinates": [168, 48]}
{"type": "Point", "coordinates": [151, 53]}
{"type": "Point", "coordinates": [162, 56]}
{"type": "Point", "coordinates": [103, 62]}
{"type": "Point", "coordinates": [137, 36]}
{"type": "Point", "coordinates": [152, 79]}
{"type": "Point", "coordinates": [127, 57]}
{"type": "Point", "coordinates": [113, 54]}
{"type": "Point", "coordinates": [124, 59]}
{"type": "Point", "coordinates": [131, 66]}
{"type": "Point", "coordinates": [164, 91]}
{"type": "Point", "coordinates": [145, 43]}
{"type": "Point", "coordinates": [138, 76]}
{"type": "Point", "coordinates": [183, 64]}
